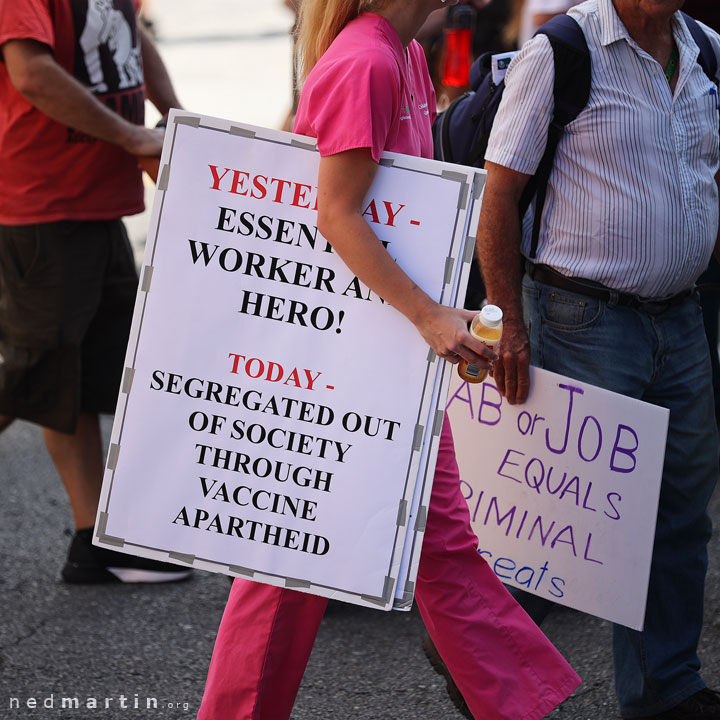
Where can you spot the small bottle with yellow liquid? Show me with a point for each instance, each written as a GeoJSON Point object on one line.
{"type": "Point", "coordinates": [486, 327]}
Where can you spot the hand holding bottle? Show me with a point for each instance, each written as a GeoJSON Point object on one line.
{"type": "Point", "coordinates": [445, 330]}
{"type": "Point", "coordinates": [486, 327]}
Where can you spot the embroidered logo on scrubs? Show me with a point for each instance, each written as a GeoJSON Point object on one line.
{"type": "Point", "coordinates": [405, 112]}
{"type": "Point", "coordinates": [424, 108]}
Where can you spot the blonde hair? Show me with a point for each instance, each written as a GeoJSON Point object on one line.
{"type": "Point", "coordinates": [511, 31]}
{"type": "Point", "coordinates": [319, 23]}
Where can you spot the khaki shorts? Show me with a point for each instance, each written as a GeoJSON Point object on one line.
{"type": "Point", "coordinates": [67, 292]}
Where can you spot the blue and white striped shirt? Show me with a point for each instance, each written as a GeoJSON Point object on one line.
{"type": "Point", "coordinates": [632, 200]}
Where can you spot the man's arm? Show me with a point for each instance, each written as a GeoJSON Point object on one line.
{"type": "Point", "coordinates": [46, 85]}
{"type": "Point", "coordinates": [159, 87]}
{"type": "Point", "coordinates": [498, 247]}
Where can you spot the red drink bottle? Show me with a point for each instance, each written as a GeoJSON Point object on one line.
{"type": "Point", "coordinates": [459, 30]}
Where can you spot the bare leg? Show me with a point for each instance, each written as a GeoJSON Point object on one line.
{"type": "Point", "coordinates": [5, 420]}
{"type": "Point", "coordinates": [79, 462]}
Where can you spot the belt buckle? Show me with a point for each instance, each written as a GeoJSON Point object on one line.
{"type": "Point", "coordinates": [654, 307]}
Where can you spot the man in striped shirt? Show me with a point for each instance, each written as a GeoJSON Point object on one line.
{"type": "Point", "coordinates": [629, 223]}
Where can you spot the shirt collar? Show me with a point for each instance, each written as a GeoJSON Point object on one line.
{"type": "Point", "coordinates": [612, 29]}
{"type": "Point", "coordinates": [684, 40]}
{"type": "Point", "coordinates": [385, 27]}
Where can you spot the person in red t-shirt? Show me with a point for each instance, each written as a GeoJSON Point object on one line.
{"type": "Point", "coordinates": [72, 90]}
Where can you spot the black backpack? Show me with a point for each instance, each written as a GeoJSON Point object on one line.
{"type": "Point", "coordinates": [461, 133]}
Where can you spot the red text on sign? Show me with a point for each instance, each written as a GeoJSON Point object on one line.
{"type": "Point", "coordinates": [273, 372]}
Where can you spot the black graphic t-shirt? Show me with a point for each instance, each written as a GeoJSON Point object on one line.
{"type": "Point", "coordinates": [50, 172]}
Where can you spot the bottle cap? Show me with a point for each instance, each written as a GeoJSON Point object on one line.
{"type": "Point", "coordinates": [461, 17]}
{"type": "Point", "coordinates": [492, 315]}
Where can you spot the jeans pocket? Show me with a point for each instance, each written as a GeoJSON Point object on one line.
{"type": "Point", "coordinates": [530, 297]}
{"type": "Point", "coordinates": [568, 311]}
{"type": "Point", "coordinates": [20, 252]}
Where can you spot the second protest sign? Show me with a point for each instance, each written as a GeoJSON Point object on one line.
{"type": "Point", "coordinates": [563, 490]}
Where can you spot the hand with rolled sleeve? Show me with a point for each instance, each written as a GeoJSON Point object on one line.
{"type": "Point", "coordinates": [36, 75]}
{"type": "Point", "coordinates": [498, 247]}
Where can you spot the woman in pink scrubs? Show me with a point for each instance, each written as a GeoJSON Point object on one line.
{"type": "Point", "coordinates": [367, 90]}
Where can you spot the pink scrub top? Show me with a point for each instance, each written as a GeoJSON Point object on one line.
{"type": "Point", "coordinates": [365, 91]}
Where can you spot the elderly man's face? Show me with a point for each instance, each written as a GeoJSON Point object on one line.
{"type": "Point", "coordinates": [652, 9]}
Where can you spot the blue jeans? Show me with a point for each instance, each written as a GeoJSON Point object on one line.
{"type": "Point", "coordinates": [661, 359]}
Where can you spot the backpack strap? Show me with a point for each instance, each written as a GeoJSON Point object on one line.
{"type": "Point", "coordinates": [707, 59]}
{"type": "Point", "coordinates": [481, 75]}
{"type": "Point", "coordinates": [445, 145]}
{"type": "Point", "coordinates": [571, 93]}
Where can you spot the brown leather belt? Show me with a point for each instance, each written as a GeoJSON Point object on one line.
{"type": "Point", "coordinates": [547, 276]}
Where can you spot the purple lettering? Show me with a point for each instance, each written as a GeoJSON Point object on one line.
{"type": "Point", "coordinates": [559, 592]}
{"type": "Point", "coordinates": [468, 497]}
{"type": "Point", "coordinates": [528, 474]}
{"type": "Point", "coordinates": [559, 485]}
{"type": "Point", "coordinates": [483, 402]}
{"type": "Point", "coordinates": [543, 570]}
{"type": "Point", "coordinates": [506, 564]}
{"type": "Point", "coordinates": [628, 451]}
{"type": "Point", "coordinates": [616, 516]}
{"type": "Point", "coordinates": [559, 538]}
{"type": "Point", "coordinates": [572, 488]}
{"type": "Point", "coordinates": [465, 387]}
{"type": "Point", "coordinates": [524, 414]}
{"type": "Point", "coordinates": [500, 520]}
{"type": "Point", "coordinates": [586, 555]}
{"type": "Point", "coordinates": [522, 523]}
{"type": "Point", "coordinates": [538, 524]}
{"type": "Point", "coordinates": [572, 389]}
{"type": "Point", "coordinates": [587, 495]}
{"type": "Point", "coordinates": [507, 462]}
{"type": "Point", "coordinates": [582, 433]}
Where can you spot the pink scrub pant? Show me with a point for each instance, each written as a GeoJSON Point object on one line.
{"type": "Point", "coordinates": [504, 666]}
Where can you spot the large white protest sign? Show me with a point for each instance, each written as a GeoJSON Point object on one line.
{"type": "Point", "coordinates": [274, 409]}
{"type": "Point", "coordinates": [563, 490]}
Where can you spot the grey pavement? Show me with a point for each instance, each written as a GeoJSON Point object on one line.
{"type": "Point", "coordinates": [125, 645]}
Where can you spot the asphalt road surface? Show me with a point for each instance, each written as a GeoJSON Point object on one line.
{"type": "Point", "coordinates": [123, 645]}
